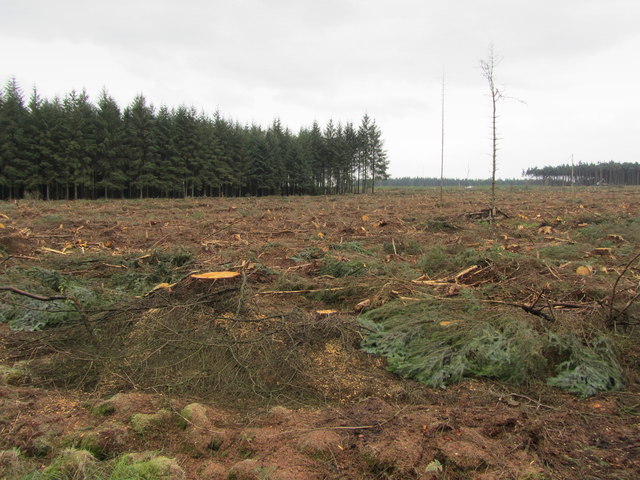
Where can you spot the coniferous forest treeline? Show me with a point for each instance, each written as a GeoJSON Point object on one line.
{"type": "Point", "coordinates": [70, 148]}
{"type": "Point", "coordinates": [609, 173]}
{"type": "Point", "coordinates": [604, 173]}
{"type": "Point", "coordinates": [447, 182]}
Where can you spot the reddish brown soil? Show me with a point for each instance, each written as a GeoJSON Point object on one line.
{"type": "Point", "coordinates": [371, 424]}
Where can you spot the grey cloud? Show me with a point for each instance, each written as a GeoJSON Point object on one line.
{"type": "Point", "coordinates": [305, 60]}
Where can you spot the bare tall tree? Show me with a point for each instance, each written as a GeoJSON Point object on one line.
{"type": "Point", "coordinates": [442, 146]}
{"type": "Point", "coordinates": [488, 67]}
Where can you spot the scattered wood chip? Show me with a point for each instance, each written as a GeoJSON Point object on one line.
{"type": "Point", "coordinates": [511, 402]}
{"type": "Point", "coordinates": [448, 323]}
{"type": "Point", "coordinates": [616, 238]}
{"type": "Point", "coordinates": [583, 271]}
{"type": "Point", "coordinates": [161, 286]}
{"type": "Point", "coordinates": [362, 305]}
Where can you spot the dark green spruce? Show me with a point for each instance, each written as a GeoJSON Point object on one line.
{"type": "Point", "coordinates": [71, 148]}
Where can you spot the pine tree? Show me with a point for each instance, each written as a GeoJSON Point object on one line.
{"type": "Point", "coordinates": [169, 174]}
{"type": "Point", "coordinates": [80, 142]}
{"type": "Point", "coordinates": [37, 145]}
{"type": "Point", "coordinates": [140, 144]}
{"type": "Point", "coordinates": [109, 165]}
{"type": "Point", "coordinates": [71, 148]}
{"type": "Point", "coordinates": [274, 169]}
{"type": "Point", "coordinates": [350, 153]}
{"type": "Point", "coordinates": [329, 156]}
{"type": "Point", "coordinates": [14, 161]}
{"type": "Point", "coordinates": [315, 145]}
{"type": "Point", "coordinates": [378, 156]}
{"type": "Point", "coordinates": [213, 169]}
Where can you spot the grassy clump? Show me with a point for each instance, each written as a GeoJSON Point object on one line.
{"type": "Point", "coordinates": [439, 344]}
{"type": "Point", "coordinates": [439, 225]}
{"type": "Point", "coordinates": [563, 253]}
{"type": "Point", "coordinates": [338, 269]}
{"type": "Point", "coordinates": [103, 409]}
{"type": "Point", "coordinates": [88, 441]}
{"type": "Point", "coordinates": [308, 254]}
{"type": "Point", "coordinates": [403, 248]}
{"type": "Point", "coordinates": [143, 423]}
{"type": "Point", "coordinates": [71, 464]}
{"type": "Point", "coordinates": [289, 282]}
{"type": "Point", "coordinates": [438, 262]}
{"type": "Point", "coordinates": [597, 230]}
{"type": "Point", "coordinates": [77, 464]}
{"type": "Point", "coordinates": [354, 246]}
{"type": "Point", "coordinates": [146, 466]}
{"type": "Point", "coordinates": [13, 375]}
{"type": "Point", "coordinates": [14, 465]}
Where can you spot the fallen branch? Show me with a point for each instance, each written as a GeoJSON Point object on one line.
{"type": "Point", "coordinates": [159, 240]}
{"type": "Point", "coordinates": [51, 250]}
{"type": "Point", "coordinates": [613, 290]}
{"type": "Point", "coordinates": [76, 303]}
{"type": "Point", "coordinates": [451, 279]}
{"type": "Point", "coordinates": [221, 229]}
{"type": "Point", "coordinates": [537, 402]}
{"type": "Point", "coordinates": [33, 295]}
{"type": "Point", "coordinates": [486, 214]}
{"type": "Point", "coordinates": [538, 311]}
{"type": "Point", "coordinates": [527, 308]}
{"type": "Point", "coordinates": [562, 240]}
{"type": "Point", "coordinates": [286, 292]}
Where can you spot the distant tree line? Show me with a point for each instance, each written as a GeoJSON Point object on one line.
{"type": "Point", "coordinates": [448, 182]}
{"type": "Point", "coordinates": [69, 148]}
{"type": "Point", "coordinates": [610, 173]}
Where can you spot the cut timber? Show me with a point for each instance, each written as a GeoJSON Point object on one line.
{"type": "Point", "coordinates": [472, 269]}
{"type": "Point", "coordinates": [287, 292]}
{"type": "Point", "coordinates": [583, 271]}
{"type": "Point", "coordinates": [364, 304]}
{"type": "Point", "coordinates": [51, 250]}
{"type": "Point", "coordinates": [451, 280]}
{"type": "Point", "coordinates": [215, 275]}
{"type": "Point", "coordinates": [161, 286]}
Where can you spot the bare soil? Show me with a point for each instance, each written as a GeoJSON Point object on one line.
{"type": "Point", "coordinates": [308, 404]}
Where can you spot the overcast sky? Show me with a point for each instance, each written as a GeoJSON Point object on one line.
{"type": "Point", "coordinates": [571, 66]}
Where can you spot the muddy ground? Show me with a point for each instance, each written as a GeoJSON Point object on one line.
{"type": "Point", "coordinates": [259, 375]}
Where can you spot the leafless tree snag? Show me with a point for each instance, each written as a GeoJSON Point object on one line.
{"type": "Point", "coordinates": [488, 67]}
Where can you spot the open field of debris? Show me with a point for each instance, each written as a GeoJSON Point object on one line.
{"type": "Point", "coordinates": [389, 336]}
